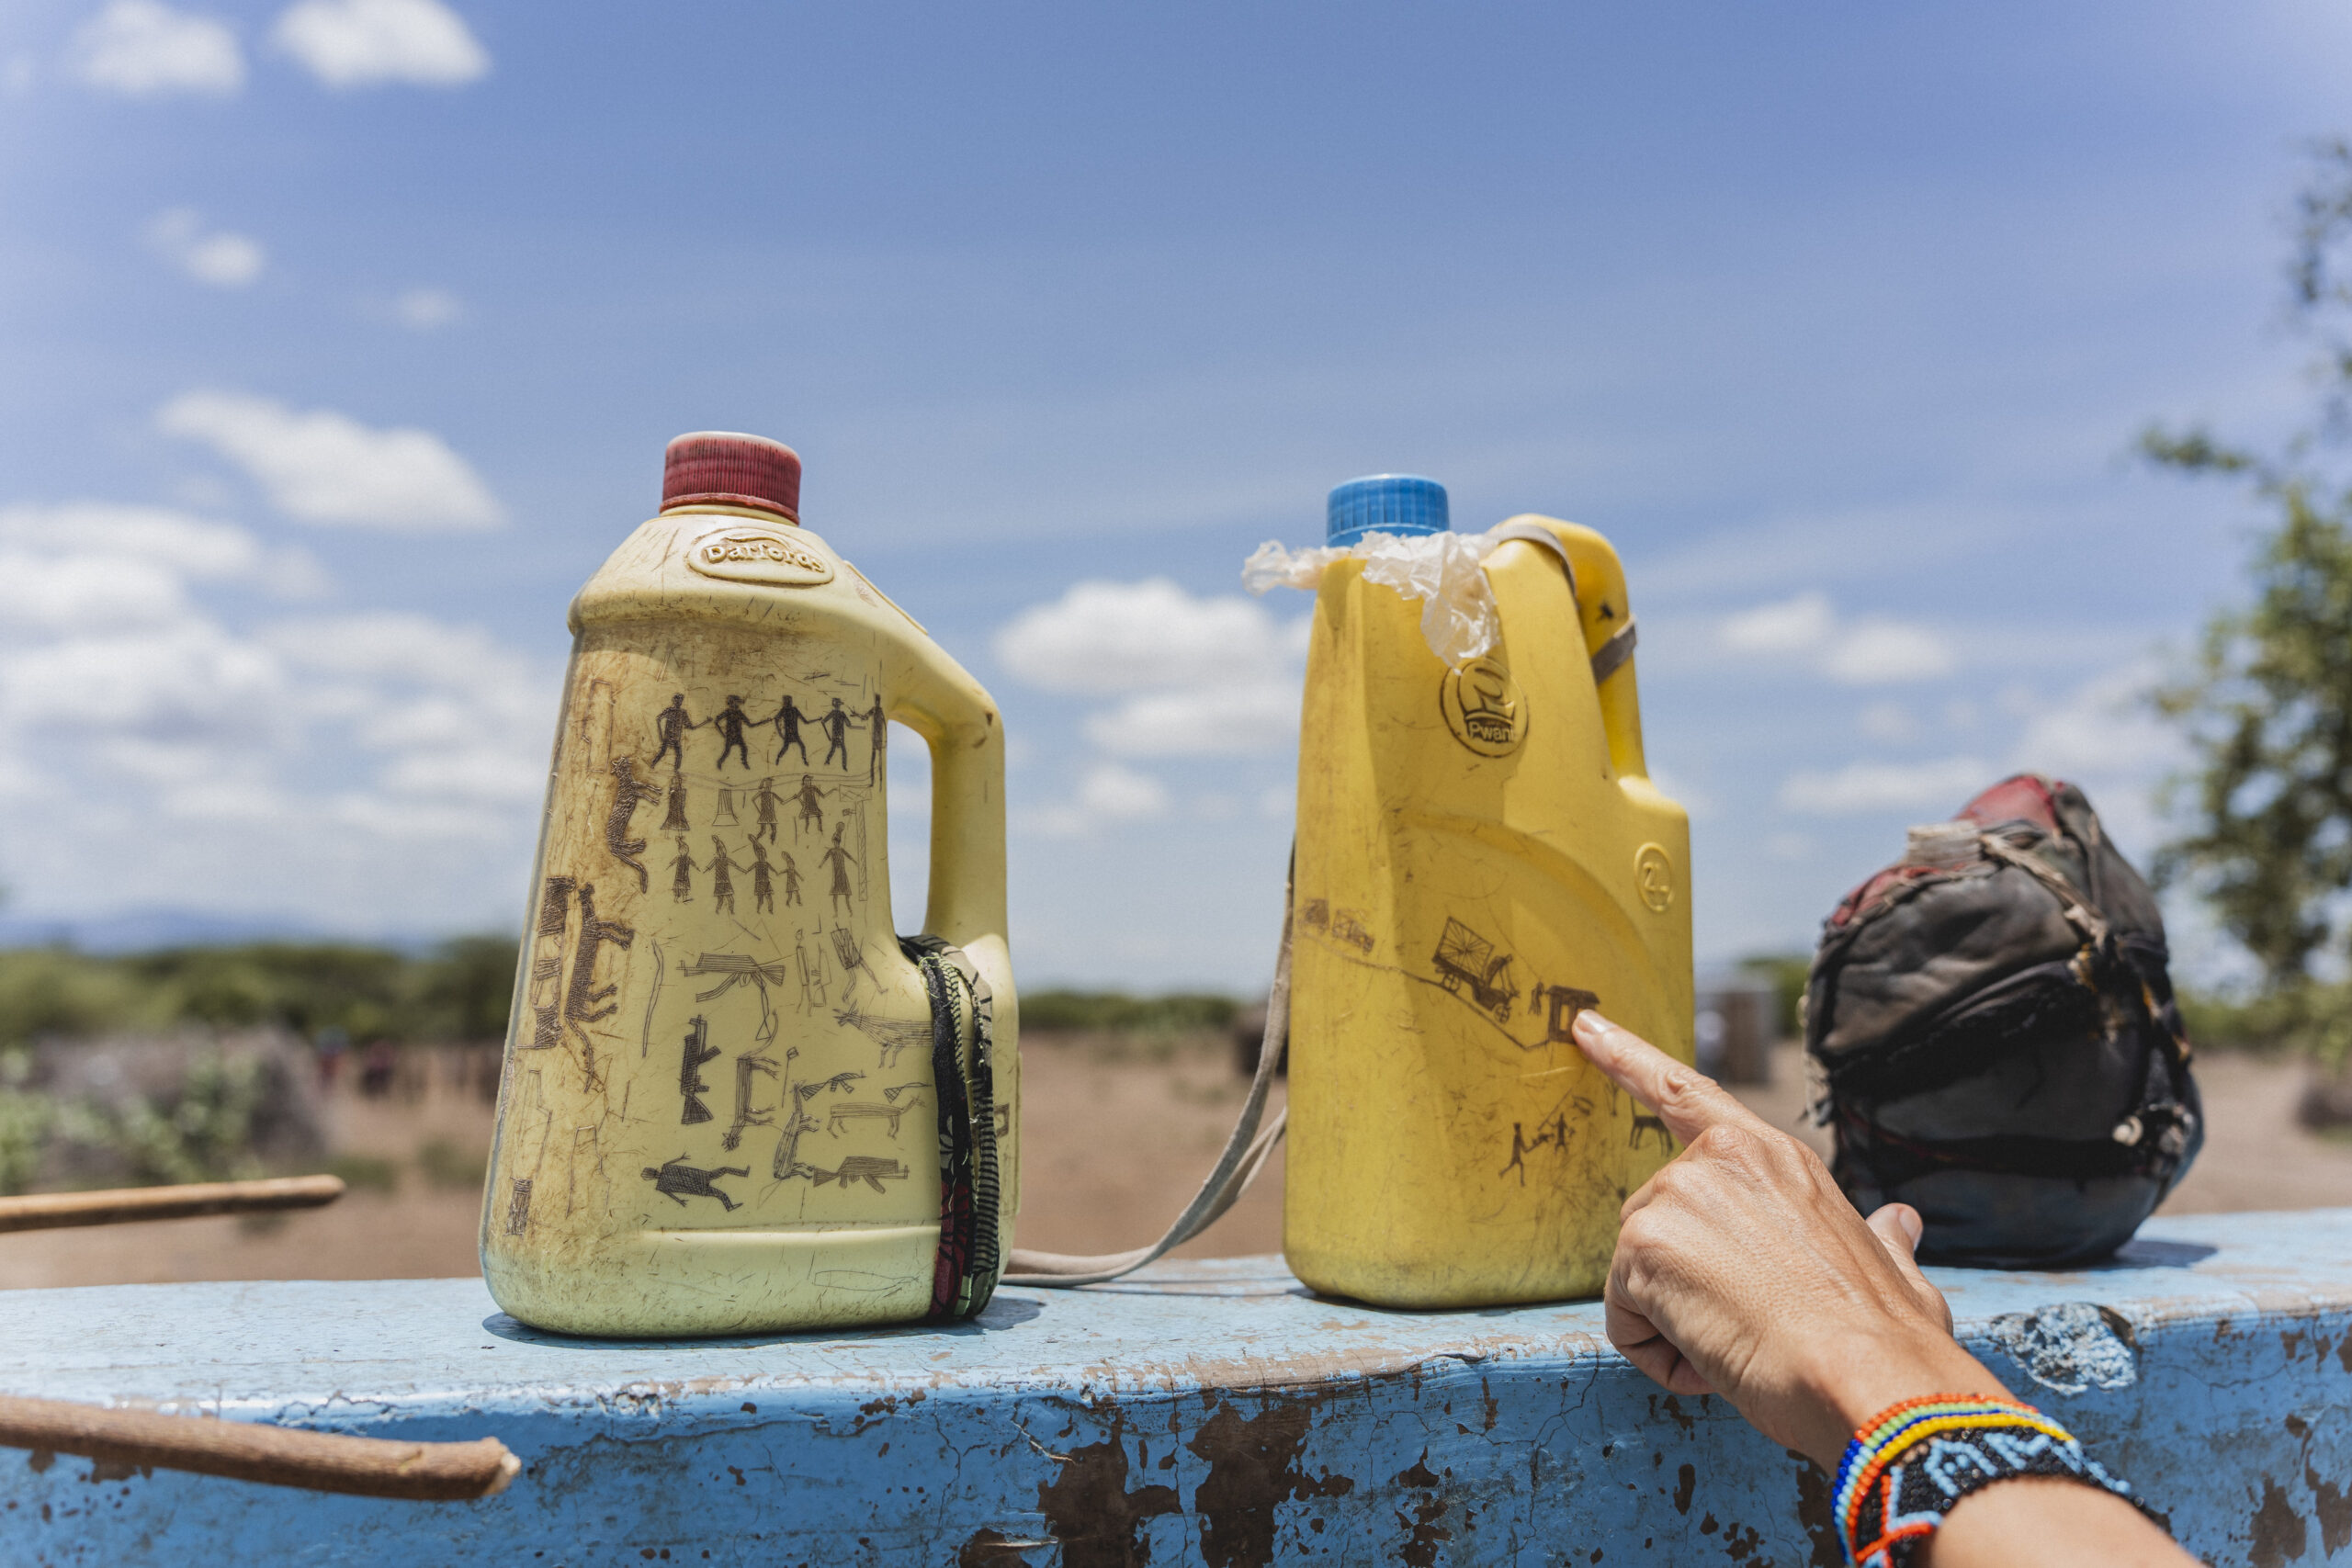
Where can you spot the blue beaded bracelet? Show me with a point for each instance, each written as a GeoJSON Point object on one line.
{"type": "Point", "coordinates": [1907, 1466]}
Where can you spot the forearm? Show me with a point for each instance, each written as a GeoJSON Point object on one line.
{"type": "Point", "coordinates": [2044, 1519]}
{"type": "Point", "coordinates": [1854, 1378]}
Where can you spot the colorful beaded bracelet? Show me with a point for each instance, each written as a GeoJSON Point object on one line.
{"type": "Point", "coordinates": [1908, 1465]}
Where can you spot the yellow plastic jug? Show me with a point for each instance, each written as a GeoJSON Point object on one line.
{"type": "Point", "coordinates": [722, 1107]}
{"type": "Point", "coordinates": [1480, 854]}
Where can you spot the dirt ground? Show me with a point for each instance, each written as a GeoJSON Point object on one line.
{"type": "Point", "coordinates": [1117, 1135]}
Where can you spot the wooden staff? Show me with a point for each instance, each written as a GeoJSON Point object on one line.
{"type": "Point", "coordinates": [48, 1211]}
{"type": "Point", "coordinates": [275, 1455]}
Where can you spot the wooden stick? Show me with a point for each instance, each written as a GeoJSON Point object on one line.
{"type": "Point", "coordinates": [275, 1455]}
{"type": "Point", "coordinates": [47, 1210]}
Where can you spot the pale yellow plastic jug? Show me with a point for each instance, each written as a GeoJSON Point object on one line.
{"type": "Point", "coordinates": [719, 1111]}
{"type": "Point", "coordinates": [1480, 854]}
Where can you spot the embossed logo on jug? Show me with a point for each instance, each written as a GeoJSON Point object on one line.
{"type": "Point", "coordinates": [1483, 708]}
{"type": "Point", "coordinates": [1654, 876]}
{"type": "Point", "coordinates": [755, 555]}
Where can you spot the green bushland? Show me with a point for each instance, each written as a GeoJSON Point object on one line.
{"type": "Point", "coordinates": [458, 991]}
{"type": "Point", "coordinates": [1115, 1012]}
{"type": "Point", "coordinates": [230, 1107]}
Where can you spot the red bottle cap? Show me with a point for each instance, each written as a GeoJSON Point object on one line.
{"type": "Point", "coordinates": [718, 467]}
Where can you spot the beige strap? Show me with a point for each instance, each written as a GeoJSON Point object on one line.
{"type": "Point", "coordinates": [1246, 1152]}
{"type": "Point", "coordinates": [1612, 654]}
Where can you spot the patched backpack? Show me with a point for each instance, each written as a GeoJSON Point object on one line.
{"type": "Point", "coordinates": [1994, 1029]}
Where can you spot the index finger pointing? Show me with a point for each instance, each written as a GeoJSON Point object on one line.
{"type": "Point", "coordinates": [1685, 1099]}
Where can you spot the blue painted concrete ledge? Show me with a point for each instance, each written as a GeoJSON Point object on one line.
{"type": "Point", "coordinates": [1212, 1412]}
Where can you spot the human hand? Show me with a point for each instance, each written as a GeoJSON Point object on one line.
{"type": "Point", "coordinates": [1741, 1269]}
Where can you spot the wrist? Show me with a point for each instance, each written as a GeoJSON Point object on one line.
{"type": "Point", "coordinates": [1859, 1376]}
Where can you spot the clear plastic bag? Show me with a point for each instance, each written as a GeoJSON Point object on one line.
{"type": "Point", "coordinates": [1458, 617]}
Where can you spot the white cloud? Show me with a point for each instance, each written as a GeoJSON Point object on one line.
{"type": "Point", "coordinates": [425, 310]}
{"type": "Point", "coordinates": [2102, 728]}
{"type": "Point", "coordinates": [1791, 625]}
{"type": "Point", "coordinates": [1883, 652]}
{"type": "Point", "coordinates": [324, 467]}
{"type": "Point", "coordinates": [1198, 676]}
{"type": "Point", "coordinates": [213, 256]}
{"type": "Point", "coordinates": [1256, 716]}
{"type": "Point", "coordinates": [1107, 793]}
{"type": "Point", "coordinates": [1877, 650]}
{"type": "Point", "coordinates": [143, 49]}
{"type": "Point", "coordinates": [365, 43]}
{"type": "Point", "coordinates": [1121, 794]}
{"type": "Point", "coordinates": [107, 536]}
{"type": "Point", "coordinates": [1126, 636]}
{"type": "Point", "coordinates": [365, 770]}
{"type": "Point", "coordinates": [1940, 787]}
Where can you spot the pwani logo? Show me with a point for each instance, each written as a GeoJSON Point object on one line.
{"type": "Point", "coordinates": [755, 555]}
{"type": "Point", "coordinates": [1483, 708]}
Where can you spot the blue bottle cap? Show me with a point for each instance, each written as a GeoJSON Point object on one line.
{"type": "Point", "coordinates": [1385, 503]}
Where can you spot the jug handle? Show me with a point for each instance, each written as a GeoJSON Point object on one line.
{"type": "Point", "coordinates": [967, 898]}
{"type": "Point", "coordinates": [1605, 616]}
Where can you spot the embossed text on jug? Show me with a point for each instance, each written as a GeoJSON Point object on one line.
{"type": "Point", "coordinates": [742, 554]}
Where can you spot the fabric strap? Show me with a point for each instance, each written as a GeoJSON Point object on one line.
{"type": "Point", "coordinates": [970, 1198]}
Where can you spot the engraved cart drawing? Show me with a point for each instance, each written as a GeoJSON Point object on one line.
{"type": "Point", "coordinates": [1466, 958]}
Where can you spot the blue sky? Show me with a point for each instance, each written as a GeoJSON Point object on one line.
{"type": "Point", "coordinates": [339, 341]}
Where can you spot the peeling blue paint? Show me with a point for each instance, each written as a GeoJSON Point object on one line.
{"type": "Point", "coordinates": [2067, 1348]}
{"type": "Point", "coordinates": [1212, 1413]}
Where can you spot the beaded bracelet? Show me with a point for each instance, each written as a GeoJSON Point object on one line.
{"type": "Point", "coordinates": [1911, 1462]}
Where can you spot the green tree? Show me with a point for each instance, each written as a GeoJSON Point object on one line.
{"type": "Point", "coordinates": [2266, 807]}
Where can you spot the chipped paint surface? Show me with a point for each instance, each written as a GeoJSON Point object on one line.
{"type": "Point", "coordinates": [1206, 1412]}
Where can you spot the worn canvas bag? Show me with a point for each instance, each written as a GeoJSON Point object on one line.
{"type": "Point", "coordinates": [1995, 1027]}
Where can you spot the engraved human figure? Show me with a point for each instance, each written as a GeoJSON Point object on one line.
{"type": "Point", "coordinates": [678, 1181]}
{"type": "Point", "coordinates": [877, 725]}
{"type": "Point", "coordinates": [628, 793]}
{"type": "Point", "coordinates": [732, 722]}
{"type": "Point", "coordinates": [788, 721]}
{"type": "Point", "coordinates": [671, 724]}
{"type": "Point", "coordinates": [1519, 1147]}
{"type": "Point", "coordinates": [841, 860]}
{"type": "Point", "coordinates": [683, 869]}
{"type": "Point", "coordinates": [675, 820]}
{"type": "Point", "coordinates": [808, 795]}
{"type": "Point", "coordinates": [836, 722]}
{"type": "Point", "coordinates": [722, 868]}
{"type": "Point", "coordinates": [764, 799]}
{"type": "Point", "coordinates": [762, 880]}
